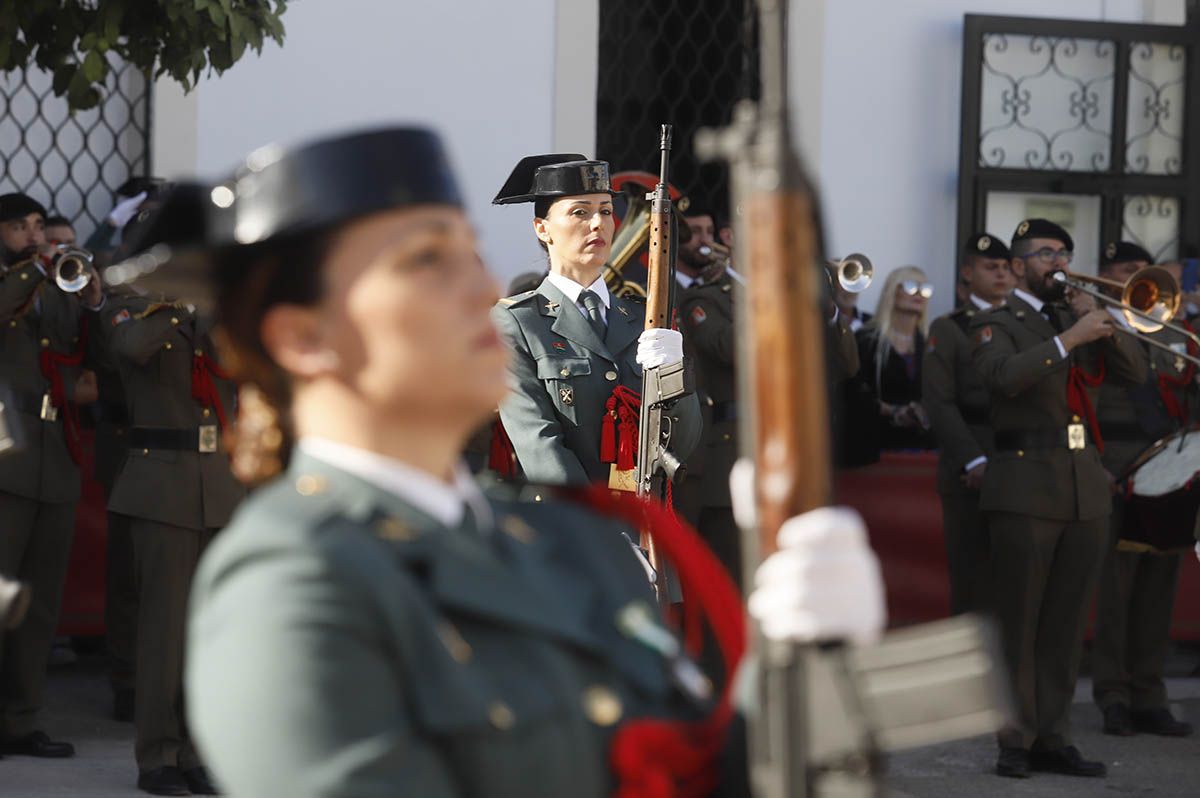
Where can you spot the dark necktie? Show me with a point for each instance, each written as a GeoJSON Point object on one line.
{"type": "Point", "coordinates": [1051, 314]}
{"type": "Point", "coordinates": [595, 312]}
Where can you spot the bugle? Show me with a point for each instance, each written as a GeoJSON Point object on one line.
{"type": "Point", "coordinates": [72, 269]}
{"type": "Point", "coordinates": [853, 273]}
{"type": "Point", "coordinates": [1149, 300]}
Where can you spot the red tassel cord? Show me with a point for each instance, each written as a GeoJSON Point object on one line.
{"type": "Point", "coordinates": [1169, 386]}
{"type": "Point", "coordinates": [502, 457]}
{"type": "Point", "coordinates": [50, 364]}
{"type": "Point", "coordinates": [204, 388]}
{"type": "Point", "coordinates": [619, 428]}
{"type": "Point", "coordinates": [653, 757]}
{"type": "Point", "coordinates": [1078, 381]}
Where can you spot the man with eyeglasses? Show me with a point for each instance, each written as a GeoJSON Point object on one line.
{"type": "Point", "coordinates": [1137, 588]}
{"type": "Point", "coordinates": [1045, 493]}
{"type": "Point", "coordinates": [958, 408]}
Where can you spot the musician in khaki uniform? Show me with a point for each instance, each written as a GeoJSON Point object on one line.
{"type": "Point", "coordinates": [175, 490]}
{"type": "Point", "coordinates": [41, 336]}
{"type": "Point", "coordinates": [1045, 492]}
{"type": "Point", "coordinates": [958, 406]}
{"type": "Point", "coordinates": [1137, 587]}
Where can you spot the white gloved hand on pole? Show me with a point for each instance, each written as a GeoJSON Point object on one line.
{"type": "Point", "coordinates": [125, 210]}
{"type": "Point", "coordinates": [823, 583]}
{"type": "Point", "coordinates": [658, 347]}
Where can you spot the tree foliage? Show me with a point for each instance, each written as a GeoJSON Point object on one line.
{"type": "Point", "coordinates": [73, 38]}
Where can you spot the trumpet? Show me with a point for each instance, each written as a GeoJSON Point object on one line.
{"type": "Point", "coordinates": [853, 273]}
{"type": "Point", "coordinates": [1150, 298]}
{"type": "Point", "coordinates": [719, 257]}
{"type": "Point", "coordinates": [72, 269]}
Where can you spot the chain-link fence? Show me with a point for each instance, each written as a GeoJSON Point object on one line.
{"type": "Point", "coordinates": [73, 163]}
{"type": "Point", "coordinates": [682, 62]}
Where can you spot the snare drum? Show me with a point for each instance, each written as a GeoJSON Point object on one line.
{"type": "Point", "coordinates": [1162, 496]}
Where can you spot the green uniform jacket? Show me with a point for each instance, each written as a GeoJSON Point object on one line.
{"type": "Point", "coordinates": [560, 377]}
{"type": "Point", "coordinates": [955, 398]}
{"type": "Point", "coordinates": [706, 318]}
{"type": "Point", "coordinates": [188, 489]}
{"type": "Point", "coordinates": [43, 470]}
{"type": "Point", "coordinates": [1020, 365]}
{"type": "Point", "coordinates": [342, 643]}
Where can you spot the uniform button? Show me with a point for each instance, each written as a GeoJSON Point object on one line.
{"type": "Point", "coordinates": [565, 372]}
{"type": "Point", "coordinates": [1075, 419]}
{"type": "Point", "coordinates": [145, 451]}
{"type": "Point", "coordinates": [167, 345]}
{"type": "Point", "coordinates": [1020, 452]}
{"type": "Point", "coordinates": [45, 342]}
{"type": "Point", "coordinates": [199, 353]}
{"type": "Point", "coordinates": [1049, 362]}
{"type": "Point", "coordinates": [500, 716]}
{"type": "Point", "coordinates": [726, 437]}
{"type": "Point", "coordinates": [453, 640]}
{"type": "Point", "coordinates": [610, 375]}
{"type": "Point", "coordinates": [601, 705]}
{"type": "Point", "coordinates": [309, 485]}
{"type": "Point", "coordinates": [12, 323]}
{"type": "Point", "coordinates": [24, 275]}
{"type": "Point", "coordinates": [537, 498]}
{"type": "Point", "coordinates": [206, 412]}
{"type": "Point", "coordinates": [390, 528]}
{"type": "Point", "coordinates": [174, 321]}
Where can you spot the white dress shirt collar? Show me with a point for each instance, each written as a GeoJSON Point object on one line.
{"type": "Point", "coordinates": [442, 502]}
{"type": "Point", "coordinates": [1030, 299]}
{"type": "Point", "coordinates": [572, 289]}
{"type": "Point", "coordinates": [685, 280]}
{"type": "Point", "coordinates": [982, 304]}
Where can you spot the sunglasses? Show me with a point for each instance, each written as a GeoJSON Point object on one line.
{"type": "Point", "coordinates": [912, 288]}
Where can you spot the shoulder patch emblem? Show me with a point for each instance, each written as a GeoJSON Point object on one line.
{"type": "Point", "coordinates": [559, 346]}
{"type": "Point", "coordinates": [983, 335]}
{"type": "Point", "coordinates": [121, 317]}
{"type": "Point", "coordinates": [698, 315]}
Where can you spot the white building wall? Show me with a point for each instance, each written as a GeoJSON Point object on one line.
{"type": "Point", "coordinates": [892, 74]}
{"type": "Point", "coordinates": [480, 72]}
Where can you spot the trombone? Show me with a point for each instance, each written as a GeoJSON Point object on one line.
{"type": "Point", "coordinates": [1150, 298]}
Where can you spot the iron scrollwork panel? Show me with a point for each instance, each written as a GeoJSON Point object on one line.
{"type": "Point", "coordinates": [73, 162]}
{"type": "Point", "coordinates": [1046, 103]}
{"type": "Point", "coordinates": [1154, 126]}
{"type": "Point", "coordinates": [1153, 222]}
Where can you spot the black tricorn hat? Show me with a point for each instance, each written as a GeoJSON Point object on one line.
{"type": "Point", "coordinates": [986, 245]}
{"type": "Point", "coordinates": [1124, 252]}
{"type": "Point", "coordinates": [1043, 228]}
{"type": "Point", "coordinates": [18, 206]}
{"type": "Point", "coordinates": [280, 193]}
{"type": "Point", "coordinates": [555, 175]}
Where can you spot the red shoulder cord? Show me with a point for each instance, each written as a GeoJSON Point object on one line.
{"type": "Point", "coordinates": [619, 428]}
{"type": "Point", "coordinates": [204, 389]}
{"type": "Point", "coordinates": [1078, 402]}
{"type": "Point", "coordinates": [1168, 384]}
{"type": "Point", "coordinates": [654, 757]}
{"type": "Point", "coordinates": [502, 457]}
{"type": "Point", "coordinates": [50, 363]}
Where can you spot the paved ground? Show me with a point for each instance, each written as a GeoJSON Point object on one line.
{"type": "Point", "coordinates": [79, 706]}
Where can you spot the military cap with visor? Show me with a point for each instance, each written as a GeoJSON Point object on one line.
{"type": "Point", "coordinates": [17, 206]}
{"type": "Point", "coordinates": [1042, 228]}
{"type": "Point", "coordinates": [986, 245]}
{"type": "Point", "coordinates": [1124, 252]}
{"type": "Point", "coordinates": [278, 194]}
{"type": "Point", "coordinates": [554, 175]}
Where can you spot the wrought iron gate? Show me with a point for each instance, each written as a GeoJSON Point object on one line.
{"type": "Point", "coordinates": [1091, 124]}
{"type": "Point", "coordinates": [73, 163]}
{"type": "Point", "coordinates": [683, 62]}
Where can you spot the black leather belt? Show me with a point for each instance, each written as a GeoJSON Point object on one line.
{"type": "Point", "coordinates": [1122, 431]}
{"type": "Point", "coordinates": [724, 411]}
{"type": "Point", "coordinates": [1019, 440]}
{"type": "Point", "coordinates": [975, 416]}
{"type": "Point", "coordinates": [201, 439]}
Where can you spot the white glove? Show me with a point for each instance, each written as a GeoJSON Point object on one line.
{"type": "Point", "coordinates": [823, 583]}
{"type": "Point", "coordinates": [659, 346]}
{"type": "Point", "coordinates": [126, 209]}
{"type": "Point", "coordinates": [1198, 551]}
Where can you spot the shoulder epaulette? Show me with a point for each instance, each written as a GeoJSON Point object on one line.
{"type": "Point", "coordinates": [517, 299]}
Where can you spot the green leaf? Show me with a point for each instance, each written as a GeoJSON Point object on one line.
{"type": "Point", "coordinates": [217, 15]}
{"type": "Point", "coordinates": [201, 5]}
{"type": "Point", "coordinates": [94, 67]}
{"type": "Point", "coordinates": [62, 78]}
